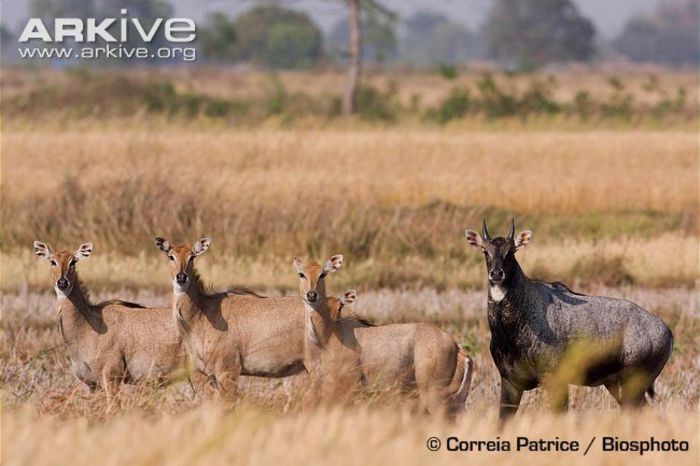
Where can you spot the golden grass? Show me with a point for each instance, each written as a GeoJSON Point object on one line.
{"type": "Point", "coordinates": [523, 172]}
{"type": "Point", "coordinates": [250, 436]}
{"type": "Point", "coordinates": [663, 261]}
{"type": "Point", "coordinates": [429, 85]}
{"type": "Point", "coordinates": [392, 201]}
{"type": "Point", "coordinates": [49, 417]}
{"type": "Point", "coordinates": [605, 206]}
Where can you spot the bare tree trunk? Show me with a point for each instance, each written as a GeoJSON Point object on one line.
{"type": "Point", "coordinates": [355, 68]}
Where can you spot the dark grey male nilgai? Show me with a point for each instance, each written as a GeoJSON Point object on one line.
{"type": "Point", "coordinates": [534, 326]}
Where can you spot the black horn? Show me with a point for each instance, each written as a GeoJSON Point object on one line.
{"type": "Point", "coordinates": [511, 233]}
{"type": "Point", "coordinates": [485, 232]}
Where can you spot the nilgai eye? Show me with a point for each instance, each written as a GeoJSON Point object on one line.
{"type": "Point", "coordinates": [301, 275]}
{"type": "Point", "coordinates": [53, 262]}
{"type": "Point", "coordinates": [172, 258]}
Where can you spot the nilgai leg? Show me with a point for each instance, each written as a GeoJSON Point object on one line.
{"type": "Point", "coordinates": [510, 399]}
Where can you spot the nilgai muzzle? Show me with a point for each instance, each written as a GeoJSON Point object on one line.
{"type": "Point", "coordinates": [112, 341]}
{"type": "Point", "coordinates": [352, 353]}
{"type": "Point", "coordinates": [235, 332]}
{"type": "Point", "coordinates": [545, 333]}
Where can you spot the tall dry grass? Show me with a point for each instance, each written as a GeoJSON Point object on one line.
{"type": "Point", "coordinates": [664, 261]}
{"type": "Point", "coordinates": [252, 436]}
{"type": "Point", "coordinates": [35, 370]}
{"type": "Point", "coordinates": [50, 418]}
{"type": "Point", "coordinates": [429, 85]}
{"type": "Point", "coordinates": [395, 201]}
{"type": "Point", "coordinates": [613, 212]}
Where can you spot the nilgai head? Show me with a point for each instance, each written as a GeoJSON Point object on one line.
{"type": "Point", "coordinates": [181, 260]}
{"type": "Point", "coordinates": [63, 265]}
{"type": "Point", "coordinates": [500, 251]}
{"type": "Point", "coordinates": [348, 297]}
{"type": "Point", "coordinates": [312, 283]}
{"type": "Point", "coordinates": [338, 303]}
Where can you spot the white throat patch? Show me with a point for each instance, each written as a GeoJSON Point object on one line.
{"type": "Point", "coordinates": [178, 290]}
{"type": "Point", "coordinates": [62, 293]}
{"type": "Point", "coordinates": [497, 293]}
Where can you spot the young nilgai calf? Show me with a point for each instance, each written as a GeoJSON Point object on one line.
{"type": "Point", "coordinates": [544, 331]}
{"type": "Point", "coordinates": [236, 332]}
{"type": "Point", "coordinates": [351, 352]}
{"type": "Point", "coordinates": [113, 341]}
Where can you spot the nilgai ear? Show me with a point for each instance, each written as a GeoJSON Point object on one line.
{"type": "Point", "coordinates": [348, 297]}
{"type": "Point", "coordinates": [333, 264]}
{"type": "Point", "coordinates": [522, 239]}
{"type": "Point", "coordinates": [201, 246]}
{"type": "Point", "coordinates": [162, 244]}
{"type": "Point", "coordinates": [83, 251]}
{"type": "Point", "coordinates": [474, 239]}
{"type": "Point", "coordinates": [42, 250]}
{"type": "Point", "coordinates": [298, 266]}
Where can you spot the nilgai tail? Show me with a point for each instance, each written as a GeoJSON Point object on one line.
{"type": "Point", "coordinates": [461, 381]}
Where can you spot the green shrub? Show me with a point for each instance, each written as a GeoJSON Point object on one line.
{"type": "Point", "coordinates": [539, 98]}
{"type": "Point", "coordinates": [374, 104]}
{"type": "Point", "coordinates": [456, 105]}
{"type": "Point", "coordinates": [448, 71]}
{"type": "Point", "coordinates": [494, 102]}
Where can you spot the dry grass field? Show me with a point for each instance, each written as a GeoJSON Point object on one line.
{"type": "Point", "coordinates": [46, 411]}
{"type": "Point", "coordinates": [609, 206]}
{"type": "Point", "coordinates": [430, 86]}
{"type": "Point", "coordinates": [614, 211]}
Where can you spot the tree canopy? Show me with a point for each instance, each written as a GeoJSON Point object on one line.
{"type": "Point", "coordinates": [218, 38]}
{"type": "Point", "coordinates": [431, 39]}
{"type": "Point", "coordinates": [379, 45]}
{"type": "Point", "coordinates": [277, 37]}
{"type": "Point", "coordinates": [531, 33]}
{"type": "Point", "coordinates": [670, 36]}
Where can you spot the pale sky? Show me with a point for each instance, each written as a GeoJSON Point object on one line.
{"type": "Point", "coordinates": [609, 16]}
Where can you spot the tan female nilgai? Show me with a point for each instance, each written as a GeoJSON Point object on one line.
{"type": "Point", "coordinates": [235, 332]}
{"type": "Point", "coordinates": [351, 351]}
{"type": "Point", "coordinates": [113, 341]}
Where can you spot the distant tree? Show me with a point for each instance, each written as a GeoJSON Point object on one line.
{"type": "Point", "coordinates": [5, 35]}
{"type": "Point", "coordinates": [218, 38]}
{"type": "Point", "coordinates": [670, 36]}
{"type": "Point", "coordinates": [355, 66]}
{"type": "Point", "coordinates": [278, 37]}
{"type": "Point", "coordinates": [379, 45]}
{"type": "Point", "coordinates": [431, 39]}
{"type": "Point", "coordinates": [291, 46]}
{"type": "Point", "coordinates": [355, 48]}
{"type": "Point", "coordinates": [532, 33]}
{"type": "Point", "coordinates": [147, 11]}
